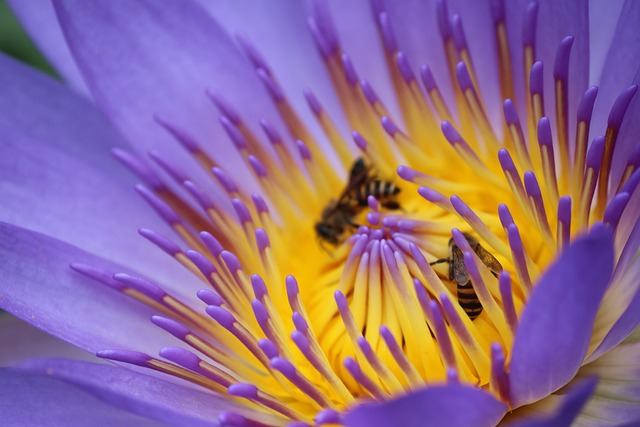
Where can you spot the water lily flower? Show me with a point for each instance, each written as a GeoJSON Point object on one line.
{"type": "Point", "coordinates": [372, 213]}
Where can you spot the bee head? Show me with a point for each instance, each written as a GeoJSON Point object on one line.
{"type": "Point", "coordinates": [328, 233]}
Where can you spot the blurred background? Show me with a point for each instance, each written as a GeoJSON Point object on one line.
{"type": "Point", "coordinates": [15, 42]}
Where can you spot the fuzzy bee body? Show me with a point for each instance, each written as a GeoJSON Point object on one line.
{"type": "Point", "coordinates": [339, 215]}
{"type": "Point", "coordinates": [467, 297]}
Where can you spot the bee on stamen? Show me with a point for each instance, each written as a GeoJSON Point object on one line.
{"type": "Point", "coordinates": [467, 297]}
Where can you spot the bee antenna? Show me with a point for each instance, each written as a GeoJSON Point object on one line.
{"type": "Point", "coordinates": [439, 261]}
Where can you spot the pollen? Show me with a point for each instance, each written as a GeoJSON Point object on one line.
{"type": "Point", "coordinates": [340, 281]}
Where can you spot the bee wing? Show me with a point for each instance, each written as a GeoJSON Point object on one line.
{"type": "Point", "coordinates": [457, 269]}
{"type": "Point", "coordinates": [489, 260]}
{"type": "Point", "coordinates": [359, 175]}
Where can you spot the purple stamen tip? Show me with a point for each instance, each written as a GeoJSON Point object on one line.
{"type": "Point", "coordinates": [634, 157]}
{"type": "Point", "coordinates": [313, 102]}
{"type": "Point", "coordinates": [408, 174]}
{"type": "Point", "coordinates": [505, 160]}
{"type": "Point", "coordinates": [586, 104]}
{"type": "Point", "coordinates": [258, 285]}
{"type": "Point", "coordinates": [352, 366]}
{"type": "Point", "coordinates": [231, 261]}
{"type": "Point", "coordinates": [373, 203]}
{"type": "Point", "coordinates": [300, 340]}
{"type": "Point", "coordinates": [359, 140]}
{"type": "Point", "coordinates": [268, 348]}
{"type": "Point", "coordinates": [505, 216]}
{"type": "Point", "coordinates": [254, 55]}
{"type": "Point", "coordinates": [530, 24]}
{"type": "Point", "coordinates": [368, 91]}
{"type": "Point", "coordinates": [341, 301]}
{"type": "Point", "coordinates": [99, 275]}
{"type": "Point", "coordinates": [173, 327]}
{"type": "Point", "coordinates": [222, 316]}
{"type": "Point", "coordinates": [461, 241]}
{"type": "Point", "coordinates": [271, 85]}
{"type": "Point", "coordinates": [234, 133]}
{"type": "Point", "coordinates": [497, 11]}
{"type": "Point", "coordinates": [405, 67]}
{"type": "Point", "coordinates": [181, 356]}
{"type": "Point", "coordinates": [632, 182]}
{"type": "Point", "coordinates": [262, 239]}
{"type": "Point", "coordinates": [510, 113]}
{"type": "Point", "coordinates": [211, 243]}
{"type": "Point", "coordinates": [144, 286]}
{"type": "Point", "coordinates": [535, 79]}
{"type": "Point", "coordinates": [614, 209]}
{"type": "Point", "coordinates": [241, 211]}
{"type": "Point", "coordinates": [292, 288]}
{"type": "Point", "coordinates": [324, 47]}
{"type": "Point", "coordinates": [163, 209]}
{"type": "Point", "coordinates": [127, 356]}
{"type": "Point", "coordinates": [160, 241]}
{"type": "Point", "coordinates": [203, 264]}
{"type": "Point", "coordinates": [305, 153]}
{"type": "Point", "coordinates": [225, 180]}
{"type": "Point", "coordinates": [328, 416]}
{"type": "Point", "coordinates": [388, 36]}
{"type": "Point", "coordinates": [272, 134]}
{"type": "Point", "coordinates": [564, 209]}
{"type": "Point", "coordinates": [173, 171]}
{"type": "Point", "coordinates": [430, 195]}
{"type": "Point", "coordinates": [260, 312]}
{"type": "Point", "coordinates": [544, 132]}
{"type": "Point", "coordinates": [561, 66]}
{"type": "Point", "coordinates": [349, 71]}
{"type": "Point", "coordinates": [594, 154]}
{"type": "Point", "coordinates": [444, 24]}
{"type": "Point", "coordinates": [132, 163]}
{"type": "Point", "coordinates": [197, 193]}
{"type": "Point", "coordinates": [620, 106]}
{"type": "Point", "coordinates": [373, 218]}
{"type": "Point", "coordinates": [210, 297]}
{"type": "Point", "coordinates": [459, 38]}
{"type": "Point", "coordinates": [427, 78]}
{"type": "Point", "coordinates": [248, 391]}
{"type": "Point", "coordinates": [232, 419]}
{"type": "Point", "coordinates": [299, 322]}
{"type": "Point", "coordinates": [283, 365]}
{"type": "Point", "coordinates": [259, 203]}
{"type": "Point", "coordinates": [389, 126]}
{"type": "Point", "coordinates": [531, 184]}
{"type": "Point", "coordinates": [450, 133]}
{"type": "Point", "coordinates": [224, 107]}
{"type": "Point", "coordinates": [464, 79]}
{"type": "Point", "coordinates": [178, 133]}
{"type": "Point", "coordinates": [258, 167]}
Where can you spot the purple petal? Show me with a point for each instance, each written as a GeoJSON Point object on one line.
{"type": "Point", "coordinates": [450, 406]}
{"type": "Point", "coordinates": [38, 286]}
{"type": "Point", "coordinates": [21, 341]}
{"type": "Point", "coordinates": [57, 176]}
{"type": "Point", "coordinates": [555, 328]}
{"type": "Point", "coordinates": [567, 410]}
{"type": "Point", "coordinates": [40, 21]}
{"type": "Point", "coordinates": [175, 404]}
{"type": "Point", "coordinates": [144, 58]}
{"type": "Point", "coordinates": [37, 400]}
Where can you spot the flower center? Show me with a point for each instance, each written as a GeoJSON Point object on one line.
{"type": "Point", "coordinates": [324, 289]}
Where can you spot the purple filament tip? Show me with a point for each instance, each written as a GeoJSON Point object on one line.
{"type": "Point", "coordinates": [497, 11]}
{"type": "Point", "coordinates": [222, 316]}
{"type": "Point", "coordinates": [283, 366]}
{"type": "Point", "coordinates": [361, 143]}
{"type": "Point", "coordinates": [224, 108]}
{"type": "Point", "coordinates": [261, 314]}
{"type": "Point", "coordinates": [544, 133]}
{"type": "Point", "coordinates": [536, 84]}
{"type": "Point", "coordinates": [259, 203]}
{"type": "Point", "coordinates": [586, 104]}
{"type": "Point", "coordinates": [134, 164]}
{"type": "Point", "coordinates": [234, 133]}
{"type": "Point", "coordinates": [530, 24]}
{"type": "Point", "coordinates": [225, 180]}
{"type": "Point", "coordinates": [199, 195]}
{"type": "Point", "coordinates": [248, 391]}
{"type": "Point", "coordinates": [373, 218]}
{"type": "Point", "coordinates": [97, 275]}
{"type": "Point", "coordinates": [427, 78]}
{"type": "Point", "coordinates": [368, 92]}
{"type": "Point", "coordinates": [349, 71]}
{"type": "Point", "coordinates": [210, 297]}
{"type": "Point", "coordinates": [241, 211]}
{"type": "Point", "coordinates": [258, 285]}
{"type": "Point", "coordinates": [510, 113]}
{"type": "Point", "coordinates": [328, 416]}
{"type": "Point", "coordinates": [271, 85]}
{"type": "Point", "coordinates": [506, 162]}
{"type": "Point", "coordinates": [258, 167]}
{"type": "Point", "coordinates": [505, 216]}
{"type": "Point", "coordinates": [299, 322]}
{"type": "Point", "coordinates": [182, 357]}
{"type": "Point", "coordinates": [341, 301]}
{"type": "Point", "coordinates": [389, 126]}
{"type": "Point", "coordinates": [203, 264]}
{"type": "Point", "coordinates": [292, 289]}
{"type": "Point", "coordinates": [464, 79]}
{"type": "Point", "coordinates": [444, 25]}
{"type": "Point", "coordinates": [313, 102]}
{"type": "Point", "coordinates": [408, 174]}
{"type": "Point", "coordinates": [324, 47]}
{"type": "Point", "coordinates": [211, 243]}
{"type": "Point", "coordinates": [141, 285]}
{"type": "Point", "coordinates": [262, 239]}
{"type": "Point", "coordinates": [231, 261]}
{"type": "Point", "coordinates": [531, 185]}
{"type": "Point", "coordinates": [305, 153]}
{"type": "Point", "coordinates": [459, 37]}
{"type": "Point", "coordinates": [301, 341]}
{"type": "Point", "coordinates": [594, 154]}
{"type": "Point", "coordinates": [173, 327]}
{"type": "Point", "coordinates": [405, 67]}
{"type": "Point", "coordinates": [127, 356]}
{"type": "Point", "coordinates": [175, 173]}
{"type": "Point", "coordinates": [181, 135]}
{"type": "Point", "coordinates": [450, 133]}
{"type": "Point", "coordinates": [161, 208]}
{"type": "Point", "coordinates": [561, 66]}
{"type": "Point", "coordinates": [272, 134]}
{"type": "Point", "coordinates": [254, 55]}
{"type": "Point", "coordinates": [388, 36]}
{"type": "Point", "coordinates": [564, 210]}
{"type": "Point", "coordinates": [268, 348]}
{"type": "Point", "coordinates": [620, 107]}
{"type": "Point", "coordinates": [615, 208]}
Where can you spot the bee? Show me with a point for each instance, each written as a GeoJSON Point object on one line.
{"type": "Point", "coordinates": [339, 215]}
{"type": "Point", "coordinates": [467, 297]}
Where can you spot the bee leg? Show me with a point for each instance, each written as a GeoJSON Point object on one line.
{"type": "Point", "coordinates": [391, 204]}
{"type": "Point", "coordinates": [439, 261]}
